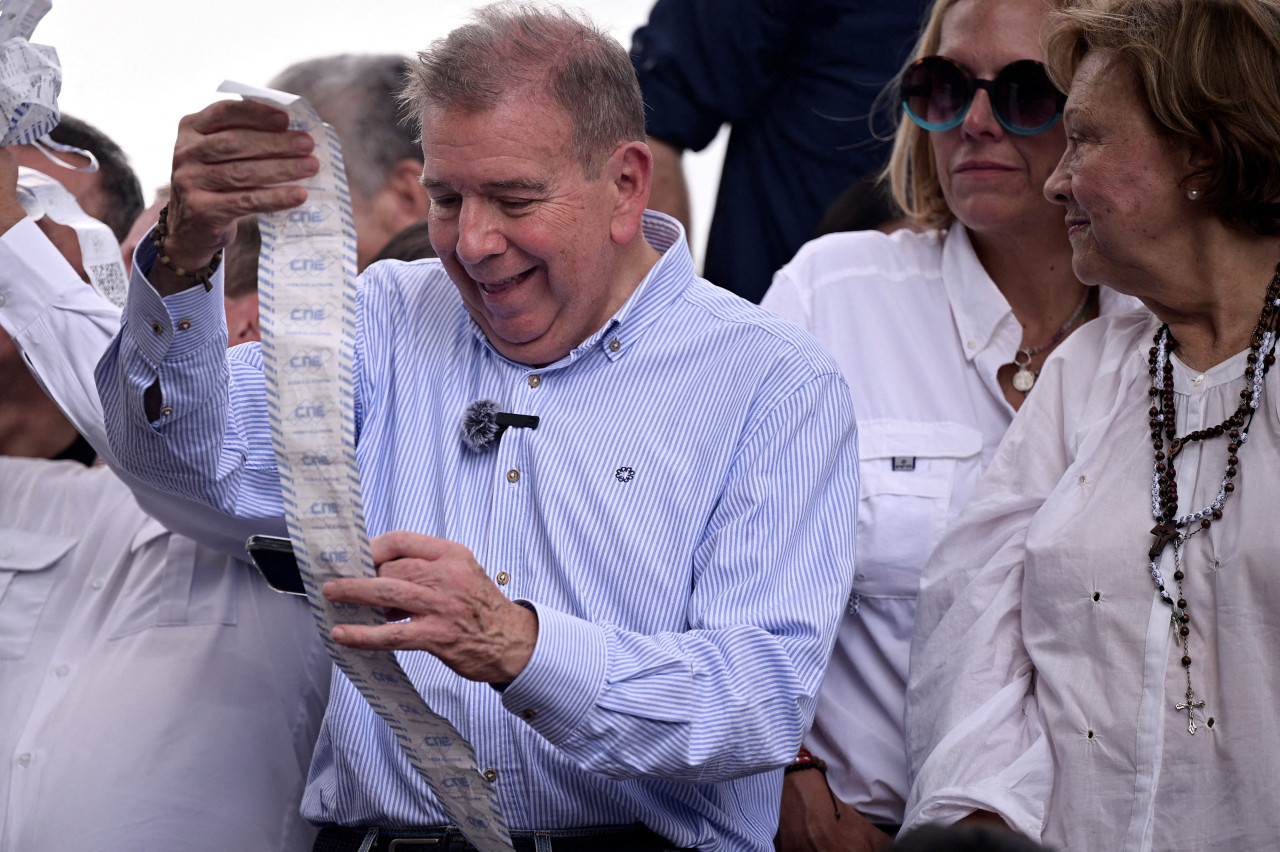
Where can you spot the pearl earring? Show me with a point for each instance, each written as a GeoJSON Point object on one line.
{"type": "Point", "coordinates": [1193, 195]}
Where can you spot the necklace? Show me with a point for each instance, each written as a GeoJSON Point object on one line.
{"type": "Point", "coordinates": [1175, 530]}
{"type": "Point", "coordinates": [1025, 378]}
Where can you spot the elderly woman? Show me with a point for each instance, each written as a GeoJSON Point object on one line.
{"type": "Point", "coordinates": [1096, 651]}
{"type": "Point", "coordinates": [940, 335]}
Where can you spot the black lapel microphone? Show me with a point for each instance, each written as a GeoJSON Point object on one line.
{"type": "Point", "coordinates": [483, 424]}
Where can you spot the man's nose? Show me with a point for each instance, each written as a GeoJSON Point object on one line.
{"type": "Point", "coordinates": [479, 232]}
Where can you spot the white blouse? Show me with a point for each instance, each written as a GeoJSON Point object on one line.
{"type": "Point", "coordinates": [1045, 672]}
{"type": "Point", "coordinates": [920, 331]}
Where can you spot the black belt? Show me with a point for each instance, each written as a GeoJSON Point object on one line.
{"type": "Point", "coordinates": [613, 838]}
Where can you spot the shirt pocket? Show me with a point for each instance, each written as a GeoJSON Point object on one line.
{"type": "Point", "coordinates": [173, 582]}
{"type": "Point", "coordinates": [907, 475]}
{"type": "Point", "coordinates": [27, 576]}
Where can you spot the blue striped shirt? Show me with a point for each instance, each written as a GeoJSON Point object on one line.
{"type": "Point", "coordinates": [682, 519]}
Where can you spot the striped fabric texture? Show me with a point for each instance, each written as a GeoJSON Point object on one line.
{"type": "Point", "coordinates": [682, 519]}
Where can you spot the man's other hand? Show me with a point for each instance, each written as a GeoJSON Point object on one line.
{"type": "Point", "coordinates": [807, 819]}
{"type": "Point", "coordinates": [453, 610]}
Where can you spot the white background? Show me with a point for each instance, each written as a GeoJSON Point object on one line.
{"type": "Point", "coordinates": [133, 68]}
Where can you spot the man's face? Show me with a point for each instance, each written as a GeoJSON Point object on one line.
{"type": "Point", "coordinates": [525, 235]}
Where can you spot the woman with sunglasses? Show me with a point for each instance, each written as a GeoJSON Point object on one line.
{"type": "Point", "coordinates": [941, 335]}
{"type": "Point", "coordinates": [1096, 652]}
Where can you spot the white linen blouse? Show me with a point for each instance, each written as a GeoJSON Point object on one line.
{"type": "Point", "coordinates": [1045, 672]}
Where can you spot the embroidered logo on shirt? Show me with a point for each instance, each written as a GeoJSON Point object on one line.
{"type": "Point", "coordinates": [904, 462]}
{"type": "Point", "coordinates": [624, 474]}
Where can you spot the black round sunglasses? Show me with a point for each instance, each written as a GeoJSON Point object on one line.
{"type": "Point", "coordinates": [937, 93]}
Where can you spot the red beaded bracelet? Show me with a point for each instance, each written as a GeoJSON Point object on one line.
{"type": "Point", "coordinates": [806, 759]}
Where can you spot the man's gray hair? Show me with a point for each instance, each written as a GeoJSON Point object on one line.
{"type": "Point", "coordinates": [513, 48]}
{"type": "Point", "coordinates": [358, 95]}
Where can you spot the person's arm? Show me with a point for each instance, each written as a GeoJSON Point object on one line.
{"type": "Point", "coordinates": [58, 322]}
{"type": "Point", "coordinates": [702, 63]}
{"type": "Point", "coordinates": [733, 694]}
{"type": "Point", "coordinates": [813, 819]}
{"type": "Point", "coordinates": [974, 738]}
{"type": "Point", "coordinates": [11, 212]}
{"type": "Point", "coordinates": [669, 193]}
{"type": "Point", "coordinates": [807, 813]}
{"type": "Point", "coordinates": [166, 381]}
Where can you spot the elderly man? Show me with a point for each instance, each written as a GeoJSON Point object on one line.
{"type": "Point", "coordinates": [628, 610]}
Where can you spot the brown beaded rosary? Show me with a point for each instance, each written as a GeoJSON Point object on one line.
{"type": "Point", "coordinates": [203, 275]}
{"type": "Point", "coordinates": [1164, 485]}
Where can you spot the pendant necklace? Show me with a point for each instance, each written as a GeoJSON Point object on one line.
{"type": "Point", "coordinates": [1175, 530]}
{"type": "Point", "coordinates": [1025, 378]}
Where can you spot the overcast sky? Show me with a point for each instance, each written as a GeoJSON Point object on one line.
{"type": "Point", "coordinates": [135, 67]}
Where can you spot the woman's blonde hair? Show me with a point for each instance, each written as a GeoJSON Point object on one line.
{"type": "Point", "coordinates": [911, 170]}
{"type": "Point", "coordinates": [1209, 71]}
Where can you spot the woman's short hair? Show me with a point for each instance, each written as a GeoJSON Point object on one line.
{"type": "Point", "coordinates": [911, 171]}
{"type": "Point", "coordinates": [1209, 71]}
{"type": "Point", "coordinates": [513, 50]}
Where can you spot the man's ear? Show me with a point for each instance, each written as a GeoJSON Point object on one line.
{"type": "Point", "coordinates": [411, 198]}
{"type": "Point", "coordinates": [242, 318]}
{"type": "Point", "coordinates": [630, 169]}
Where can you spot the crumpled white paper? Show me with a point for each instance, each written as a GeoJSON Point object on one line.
{"type": "Point", "coordinates": [30, 74]}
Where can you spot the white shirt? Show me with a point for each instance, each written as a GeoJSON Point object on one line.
{"type": "Point", "coordinates": [919, 330]}
{"type": "Point", "coordinates": [154, 693]}
{"type": "Point", "coordinates": [1046, 672]}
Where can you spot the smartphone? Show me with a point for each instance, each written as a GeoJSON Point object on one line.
{"type": "Point", "coordinates": [274, 559]}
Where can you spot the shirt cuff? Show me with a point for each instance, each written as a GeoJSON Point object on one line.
{"type": "Point", "coordinates": [173, 327]}
{"type": "Point", "coordinates": [564, 676]}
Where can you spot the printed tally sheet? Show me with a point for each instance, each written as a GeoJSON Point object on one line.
{"type": "Point", "coordinates": [30, 82]}
{"type": "Point", "coordinates": [30, 75]}
{"type": "Point", "coordinates": [307, 293]}
{"type": "Point", "coordinates": [41, 195]}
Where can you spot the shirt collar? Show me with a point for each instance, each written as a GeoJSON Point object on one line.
{"type": "Point", "coordinates": [977, 304]}
{"type": "Point", "coordinates": [664, 282]}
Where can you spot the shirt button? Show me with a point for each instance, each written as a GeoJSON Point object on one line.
{"type": "Point", "coordinates": [491, 775]}
{"type": "Point", "coordinates": [503, 578]}
{"type": "Point", "coordinates": [615, 345]}
{"type": "Point", "coordinates": [1082, 480]}
{"type": "Point", "coordinates": [96, 584]}
{"type": "Point", "coordinates": [528, 715]}
{"type": "Point", "coordinates": [4, 297]}
{"type": "Point", "coordinates": [166, 411]}
{"type": "Point", "coordinates": [157, 327]}
{"type": "Point", "coordinates": [62, 670]}
{"type": "Point", "coordinates": [1198, 380]}
{"type": "Point", "coordinates": [513, 475]}
{"type": "Point", "coordinates": [972, 344]}
{"type": "Point", "coordinates": [535, 380]}
{"type": "Point", "coordinates": [184, 325]}
{"type": "Point", "coordinates": [24, 759]}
